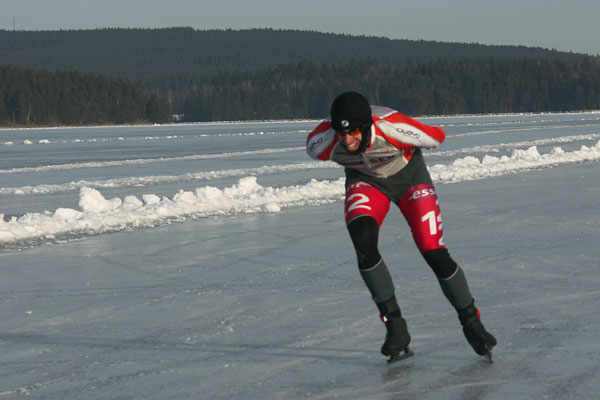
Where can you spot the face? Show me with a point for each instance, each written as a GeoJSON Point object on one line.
{"type": "Point", "coordinates": [350, 140]}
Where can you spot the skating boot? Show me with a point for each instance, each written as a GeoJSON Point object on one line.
{"type": "Point", "coordinates": [481, 340]}
{"type": "Point", "coordinates": [397, 337]}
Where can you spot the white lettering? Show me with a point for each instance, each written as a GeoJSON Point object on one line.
{"type": "Point", "coordinates": [430, 217]}
{"type": "Point", "coordinates": [358, 203]}
{"type": "Point", "coordinates": [418, 194]}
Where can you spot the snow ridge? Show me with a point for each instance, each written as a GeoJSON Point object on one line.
{"type": "Point", "coordinates": [99, 215]}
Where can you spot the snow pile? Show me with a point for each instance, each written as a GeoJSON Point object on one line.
{"type": "Point", "coordinates": [514, 145]}
{"type": "Point", "coordinates": [97, 214]}
{"type": "Point", "coordinates": [471, 168]}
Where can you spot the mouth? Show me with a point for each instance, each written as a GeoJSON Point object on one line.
{"type": "Point", "coordinates": [352, 146]}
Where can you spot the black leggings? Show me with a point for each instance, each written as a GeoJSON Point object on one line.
{"type": "Point", "coordinates": [364, 233]}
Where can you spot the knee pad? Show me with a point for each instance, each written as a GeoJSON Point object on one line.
{"type": "Point", "coordinates": [364, 232]}
{"type": "Point", "coordinates": [441, 263]}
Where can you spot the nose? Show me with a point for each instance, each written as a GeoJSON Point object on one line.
{"type": "Point", "coordinates": [348, 139]}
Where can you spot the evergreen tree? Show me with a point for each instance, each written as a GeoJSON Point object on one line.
{"type": "Point", "coordinates": [30, 97]}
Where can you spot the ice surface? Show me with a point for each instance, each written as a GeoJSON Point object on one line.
{"type": "Point", "coordinates": [135, 280]}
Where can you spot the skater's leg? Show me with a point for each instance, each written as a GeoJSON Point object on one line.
{"type": "Point", "coordinates": [420, 207]}
{"type": "Point", "coordinates": [377, 278]}
{"type": "Point", "coordinates": [450, 276]}
{"type": "Point", "coordinates": [364, 233]}
{"type": "Point", "coordinates": [457, 292]}
{"type": "Point", "coordinates": [366, 208]}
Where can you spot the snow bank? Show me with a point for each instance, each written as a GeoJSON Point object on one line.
{"type": "Point", "coordinates": [471, 168]}
{"type": "Point", "coordinates": [97, 214]}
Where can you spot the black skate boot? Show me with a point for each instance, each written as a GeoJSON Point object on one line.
{"type": "Point", "coordinates": [481, 340]}
{"type": "Point", "coordinates": [397, 338]}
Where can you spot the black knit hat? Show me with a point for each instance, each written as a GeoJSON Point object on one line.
{"type": "Point", "coordinates": [349, 111]}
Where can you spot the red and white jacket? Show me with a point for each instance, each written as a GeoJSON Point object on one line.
{"type": "Point", "coordinates": [394, 138]}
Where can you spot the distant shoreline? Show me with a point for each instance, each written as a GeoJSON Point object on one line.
{"type": "Point", "coordinates": [273, 121]}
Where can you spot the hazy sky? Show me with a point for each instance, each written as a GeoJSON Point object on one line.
{"type": "Point", "coordinates": [569, 25]}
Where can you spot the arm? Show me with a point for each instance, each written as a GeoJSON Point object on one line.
{"type": "Point", "coordinates": [321, 141]}
{"type": "Point", "coordinates": [406, 133]}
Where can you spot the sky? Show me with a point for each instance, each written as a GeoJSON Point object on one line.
{"type": "Point", "coordinates": [553, 24]}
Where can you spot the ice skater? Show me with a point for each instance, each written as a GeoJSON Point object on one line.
{"type": "Point", "coordinates": [380, 149]}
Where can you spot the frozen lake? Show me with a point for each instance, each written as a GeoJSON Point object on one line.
{"type": "Point", "coordinates": [211, 261]}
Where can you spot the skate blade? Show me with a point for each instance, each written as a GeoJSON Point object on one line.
{"type": "Point", "coordinates": [401, 356]}
{"type": "Point", "coordinates": [489, 357]}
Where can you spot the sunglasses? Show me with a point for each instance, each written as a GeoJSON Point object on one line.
{"type": "Point", "coordinates": [351, 132]}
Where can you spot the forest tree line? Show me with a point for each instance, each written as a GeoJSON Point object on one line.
{"type": "Point", "coordinates": [305, 90]}
{"type": "Point", "coordinates": [30, 97]}
{"type": "Point", "coordinates": [151, 56]}
{"type": "Point", "coordinates": [126, 75]}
